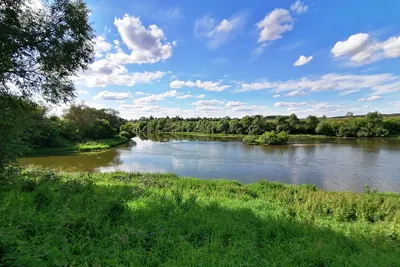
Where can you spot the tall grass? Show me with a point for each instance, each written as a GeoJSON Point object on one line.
{"type": "Point", "coordinates": [134, 219]}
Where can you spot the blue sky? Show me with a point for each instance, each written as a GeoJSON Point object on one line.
{"type": "Point", "coordinates": [236, 58]}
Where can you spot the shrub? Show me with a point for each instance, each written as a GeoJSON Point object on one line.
{"type": "Point", "coordinates": [125, 134]}
{"type": "Point", "coordinates": [272, 138]}
{"type": "Point", "coordinates": [250, 140]}
{"type": "Point", "coordinates": [324, 128]}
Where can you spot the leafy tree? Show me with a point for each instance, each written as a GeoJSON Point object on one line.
{"type": "Point", "coordinates": [324, 128]}
{"type": "Point", "coordinates": [272, 138]}
{"type": "Point", "coordinates": [42, 48]}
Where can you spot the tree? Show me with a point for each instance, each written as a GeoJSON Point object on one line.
{"type": "Point", "coordinates": [41, 48]}
{"type": "Point", "coordinates": [349, 114]}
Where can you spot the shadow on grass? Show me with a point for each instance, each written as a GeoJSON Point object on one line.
{"type": "Point", "coordinates": [51, 222]}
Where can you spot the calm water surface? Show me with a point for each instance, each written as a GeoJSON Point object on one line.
{"type": "Point", "coordinates": [332, 164]}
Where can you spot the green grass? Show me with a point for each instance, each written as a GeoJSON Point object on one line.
{"type": "Point", "coordinates": [133, 219]}
{"type": "Point", "coordinates": [89, 146]}
{"type": "Point", "coordinates": [101, 144]}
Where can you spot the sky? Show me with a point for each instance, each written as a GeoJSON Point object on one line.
{"type": "Point", "coordinates": [234, 58]}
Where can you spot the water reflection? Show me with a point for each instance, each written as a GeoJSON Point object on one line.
{"type": "Point", "coordinates": [333, 164]}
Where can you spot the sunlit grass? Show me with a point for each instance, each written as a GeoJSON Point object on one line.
{"type": "Point", "coordinates": [135, 219]}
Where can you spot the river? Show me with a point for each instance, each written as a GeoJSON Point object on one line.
{"type": "Point", "coordinates": [331, 164]}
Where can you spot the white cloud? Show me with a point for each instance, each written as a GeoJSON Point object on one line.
{"type": "Point", "coordinates": [155, 97]}
{"type": "Point", "coordinates": [391, 47]}
{"type": "Point", "coordinates": [276, 96]}
{"type": "Point", "coordinates": [208, 103]}
{"type": "Point", "coordinates": [103, 72]}
{"type": "Point", "coordinates": [82, 92]}
{"type": "Point", "coordinates": [297, 93]}
{"type": "Point", "coordinates": [362, 49]}
{"type": "Point", "coordinates": [274, 25]}
{"type": "Point", "coordinates": [378, 83]}
{"type": "Point", "coordinates": [218, 33]}
{"type": "Point", "coordinates": [234, 104]}
{"type": "Point", "coordinates": [140, 93]}
{"type": "Point", "coordinates": [303, 60]}
{"type": "Point", "coordinates": [184, 96]}
{"type": "Point", "coordinates": [101, 45]}
{"type": "Point", "coordinates": [371, 98]}
{"type": "Point", "coordinates": [147, 45]}
{"type": "Point", "coordinates": [349, 92]}
{"type": "Point", "coordinates": [200, 96]}
{"type": "Point", "coordinates": [206, 85]}
{"type": "Point", "coordinates": [298, 7]}
{"type": "Point", "coordinates": [290, 104]}
{"type": "Point", "coordinates": [177, 84]}
{"type": "Point", "coordinates": [107, 95]}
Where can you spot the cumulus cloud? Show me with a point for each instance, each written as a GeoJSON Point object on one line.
{"type": "Point", "coordinates": [103, 73]}
{"type": "Point", "coordinates": [276, 96]}
{"type": "Point", "coordinates": [213, 102]}
{"type": "Point", "coordinates": [290, 104]}
{"type": "Point", "coordinates": [184, 96]}
{"type": "Point", "coordinates": [147, 45]}
{"type": "Point", "coordinates": [206, 85]}
{"type": "Point", "coordinates": [155, 97]}
{"type": "Point", "coordinates": [101, 45]}
{"type": "Point", "coordinates": [274, 25]}
{"type": "Point", "coordinates": [379, 83]}
{"type": "Point", "coordinates": [391, 47]}
{"type": "Point", "coordinates": [107, 95]}
{"type": "Point", "coordinates": [371, 98]}
{"type": "Point", "coordinates": [298, 7]}
{"type": "Point", "coordinates": [303, 60]}
{"type": "Point", "coordinates": [200, 96]}
{"type": "Point", "coordinates": [362, 49]}
{"type": "Point", "coordinates": [218, 33]}
{"type": "Point", "coordinates": [297, 93]}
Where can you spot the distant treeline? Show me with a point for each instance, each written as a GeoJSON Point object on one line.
{"type": "Point", "coordinates": [371, 125]}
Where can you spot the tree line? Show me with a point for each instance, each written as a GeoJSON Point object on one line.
{"type": "Point", "coordinates": [35, 128]}
{"type": "Point", "coordinates": [371, 125]}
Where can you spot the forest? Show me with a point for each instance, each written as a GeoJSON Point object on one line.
{"type": "Point", "coordinates": [371, 125]}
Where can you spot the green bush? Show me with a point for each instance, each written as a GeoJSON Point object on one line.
{"type": "Point", "coordinates": [126, 135]}
{"type": "Point", "coordinates": [250, 140]}
{"type": "Point", "coordinates": [272, 138]}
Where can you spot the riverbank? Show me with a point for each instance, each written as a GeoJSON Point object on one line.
{"type": "Point", "coordinates": [291, 136]}
{"type": "Point", "coordinates": [159, 219]}
{"type": "Point", "coordinates": [89, 146]}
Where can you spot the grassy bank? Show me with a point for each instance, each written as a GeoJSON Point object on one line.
{"type": "Point", "coordinates": [128, 219]}
{"type": "Point", "coordinates": [89, 146]}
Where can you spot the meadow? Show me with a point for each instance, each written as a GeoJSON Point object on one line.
{"type": "Point", "coordinates": [139, 219]}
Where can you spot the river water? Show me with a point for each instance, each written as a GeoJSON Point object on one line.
{"type": "Point", "coordinates": [332, 164]}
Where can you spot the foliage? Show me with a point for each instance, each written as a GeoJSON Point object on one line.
{"type": "Point", "coordinates": [251, 140]}
{"type": "Point", "coordinates": [133, 219]}
{"type": "Point", "coordinates": [372, 125]}
{"type": "Point", "coordinates": [273, 138]}
{"type": "Point", "coordinates": [43, 47]}
{"type": "Point", "coordinates": [125, 135]}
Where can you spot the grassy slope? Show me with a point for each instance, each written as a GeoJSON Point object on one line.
{"type": "Point", "coordinates": [96, 145]}
{"type": "Point", "coordinates": [123, 219]}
